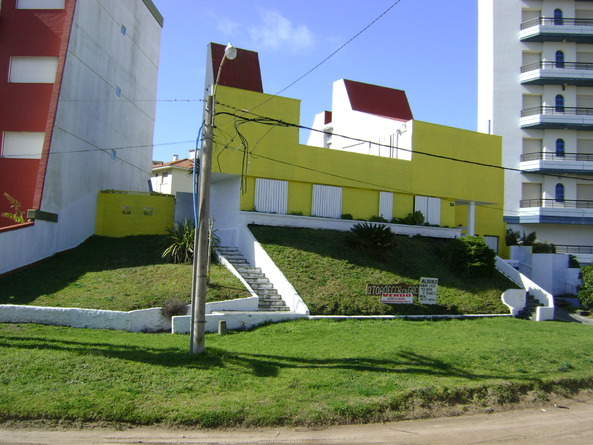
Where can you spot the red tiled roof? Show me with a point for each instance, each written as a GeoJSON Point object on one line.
{"type": "Point", "coordinates": [242, 72]}
{"type": "Point", "coordinates": [377, 100]}
{"type": "Point", "coordinates": [181, 163]}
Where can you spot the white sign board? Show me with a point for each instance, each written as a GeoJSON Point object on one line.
{"type": "Point", "coordinates": [428, 290]}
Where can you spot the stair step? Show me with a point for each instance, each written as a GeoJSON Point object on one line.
{"type": "Point", "coordinates": [269, 298]}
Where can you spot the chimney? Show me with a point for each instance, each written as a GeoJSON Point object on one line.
{"type": "Point", "coordinates": [175, 158]}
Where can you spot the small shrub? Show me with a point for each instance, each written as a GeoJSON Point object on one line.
{"type": "Point", "coordinates": [347, 216]}
{"type": "Point", "coordinates": [412, 219]}
{"type": "Point", "coordinates": [586, 290]}
{"type": "Point", "coordinates": [573, 263]}
{"type": "Point", "coordinates": [543, 247]}
{"type": "Point", "coordinates": [481, 257]}
{"type": "Point", "coordinates": [15, 205]}
{"type": "Point", "coordinates": [173, 307]}
{"type": "Point", "coordinates": [512, 237]}
{"type": "Point", "coordinates": [378, 219]}
{"type": "Point", "coordinates": [296, 213]}
{"type": "Point", "coordinates": [469, 256]}
{"type": "Point", "coordinates": [372, 240]}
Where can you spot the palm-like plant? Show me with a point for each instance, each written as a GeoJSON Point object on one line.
{"type": "Point", "coordinates": [181, 249]}
{"type": "Point", "coordinates": [372, 240]}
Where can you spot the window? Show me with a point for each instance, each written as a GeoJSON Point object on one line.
{"type": "Point", "coordinates": [327, 201]}
{"type": "Point", "coordinates": [559, 105]}
{"type": "Point", "coordinates": [559, 59]}
{"type": "Point", "coordinates": [271, 196]}
{"type": "Point", "coordinates": [558, 17]}
{"type": "Point", "coordinates": [33, 69]}
{"type": "Point", "coordinates": [559, 193]}
{"type": "Point", "coordinates": [560, 147]}
{"type": "Point", "coordinates": [22, 144]}
{"type": "Point", "coordinates": [40, 4]}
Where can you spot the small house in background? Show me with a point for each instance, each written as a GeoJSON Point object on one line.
{"type": "Point", "coordinates": [172, 177]}
{"type": "Point", "coordinates": [71, 124]}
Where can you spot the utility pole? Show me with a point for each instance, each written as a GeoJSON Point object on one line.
{"type": "Point", "coordinates": [201, 235]}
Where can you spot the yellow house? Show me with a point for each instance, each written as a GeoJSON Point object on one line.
{"type": "Point", "coordinates": [366, 158]}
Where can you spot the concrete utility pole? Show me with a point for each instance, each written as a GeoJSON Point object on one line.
{"type": "Point", "coordinates": [201, 238]}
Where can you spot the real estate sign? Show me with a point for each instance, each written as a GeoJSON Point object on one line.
{"type": "Point", "coordinates": [403, 293]}
{"type": "Point", "coordinates": [428, 290]}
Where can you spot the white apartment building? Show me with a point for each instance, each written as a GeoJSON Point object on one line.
{"type": "Point", "coordinates": [535, 89]}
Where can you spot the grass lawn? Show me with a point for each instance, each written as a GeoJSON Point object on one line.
{"type": "Point", "coordinates": [306, 372]}
{"type": "Point", "coordinates": [332, 277]}
{"type": "Point", "coordinates": [115, 274]}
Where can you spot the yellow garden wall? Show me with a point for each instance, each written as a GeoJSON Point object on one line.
{"type": "Point", "coordinates": [134, 213]}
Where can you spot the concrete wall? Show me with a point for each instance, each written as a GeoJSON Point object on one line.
{"type": "Point", "coordinates": [127, 213]}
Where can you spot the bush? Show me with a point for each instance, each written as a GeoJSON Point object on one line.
{"type": "Point", "coordinates": [372, 240]}
{"type": "Point", "coordinates": [347, 216]}
{"type": "Point", "coordinates": [469, 256]}
{"type": "Point", "coordinates": [481, 257]}
{"type": "Point", "coordinates": [378, 219]}
{"type": "Point", "coordinates": [543, 247]}
{"type": "Point", "coordinates": [586, 290]}
{"type": "Point", "coordinates": [173, 307]}
{"type": "Point", "coordinates": [412, 219]}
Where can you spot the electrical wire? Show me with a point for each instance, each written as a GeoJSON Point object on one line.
{"type": "Point", "coordinates": [266, 120]}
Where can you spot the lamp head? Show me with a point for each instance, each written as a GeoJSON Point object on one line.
{"type": "Point", "coordinates": [230, 52]}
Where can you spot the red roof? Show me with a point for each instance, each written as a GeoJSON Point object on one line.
{"type": "Point", "coordinates": [181, 163]}
{"type": "Point", "coordinates": [242, 72]}
{"type": "Point", "coordinates": [377, 100]}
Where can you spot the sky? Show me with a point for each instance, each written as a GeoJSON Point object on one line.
{"type": "Point", "coordinates": [428, 48]}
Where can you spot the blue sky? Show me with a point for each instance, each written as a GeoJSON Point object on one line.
{"type": "Point", "coordinates": [426, 47]}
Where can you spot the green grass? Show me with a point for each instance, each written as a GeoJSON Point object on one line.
{"type": "Point", "coordinates": [332, 277]}
{"type": "Point", "coordinates": [115, 274]}
{"type": "Point", "coordinates": [297, 373]}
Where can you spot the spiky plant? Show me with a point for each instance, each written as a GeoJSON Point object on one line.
{"type": "Point", "coordinates": [181, 249]}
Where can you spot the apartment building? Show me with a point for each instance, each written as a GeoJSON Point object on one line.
{"type": "Point", "coordinates": [78, 87]}
{"type": "Point", "coordinates": [535, 89]}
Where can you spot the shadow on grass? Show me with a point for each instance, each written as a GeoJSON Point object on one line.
{"type": "Point", "coordinates": [260, 365]}
{"type": "Point", "coordinates": [97, 253]}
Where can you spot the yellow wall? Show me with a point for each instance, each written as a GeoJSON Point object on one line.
{"type": "Point", "coordinates": [129, 213]}
{"type": "Point", "coordinates": [274, 152]}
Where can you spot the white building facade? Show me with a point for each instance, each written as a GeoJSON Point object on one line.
{"type": "Point", "coordinates": [535, 89]}
{"type": "Point", "coordinates": [101, 117]}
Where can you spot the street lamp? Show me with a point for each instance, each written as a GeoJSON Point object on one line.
{"type": "Point", "coordinates": [201, 238]}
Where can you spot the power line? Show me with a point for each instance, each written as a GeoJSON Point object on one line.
{"type": "Point", "coordinates": [266, 120]}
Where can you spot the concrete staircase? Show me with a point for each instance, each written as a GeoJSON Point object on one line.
{"type": "Point", "coordinates": [530, 309]}
{"type": "Point", "coordinates": [269, 298]}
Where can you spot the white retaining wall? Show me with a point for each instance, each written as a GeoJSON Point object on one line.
{"type": "Point", "coordinates": [342, 225]}
{"type": "Point", "coordinates": [144, 320]}
{"type": "Point", "coordinates": [239, 320]}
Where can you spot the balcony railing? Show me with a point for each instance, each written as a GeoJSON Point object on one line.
{"type": "Point", "coordinates": [548, 65]}
{"type": "Point", "coordinates": [551, 110]}
{"type": "Point", "coordinates": [551, 156]}
{"type": "Point", "coordinates": [552, 203]}
{"type": "Point", "coordinates": [568, 248]}
{"type": "Point", "coordinates": [552, 21]}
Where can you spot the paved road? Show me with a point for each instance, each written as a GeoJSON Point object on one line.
{"type": "Point", "coordinates": [570, 423]}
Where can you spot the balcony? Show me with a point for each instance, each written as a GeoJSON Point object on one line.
{"type": "Point", "coordinates": [557, 73]}
{"type": "Point", "coordinates": [550, 211]}
{"type": "Point", "coordinates": [550, 29]}
{"type": "Point", "coordinates": [578, 163]}
{"type": "Point", "coordinates": [570, 118]}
